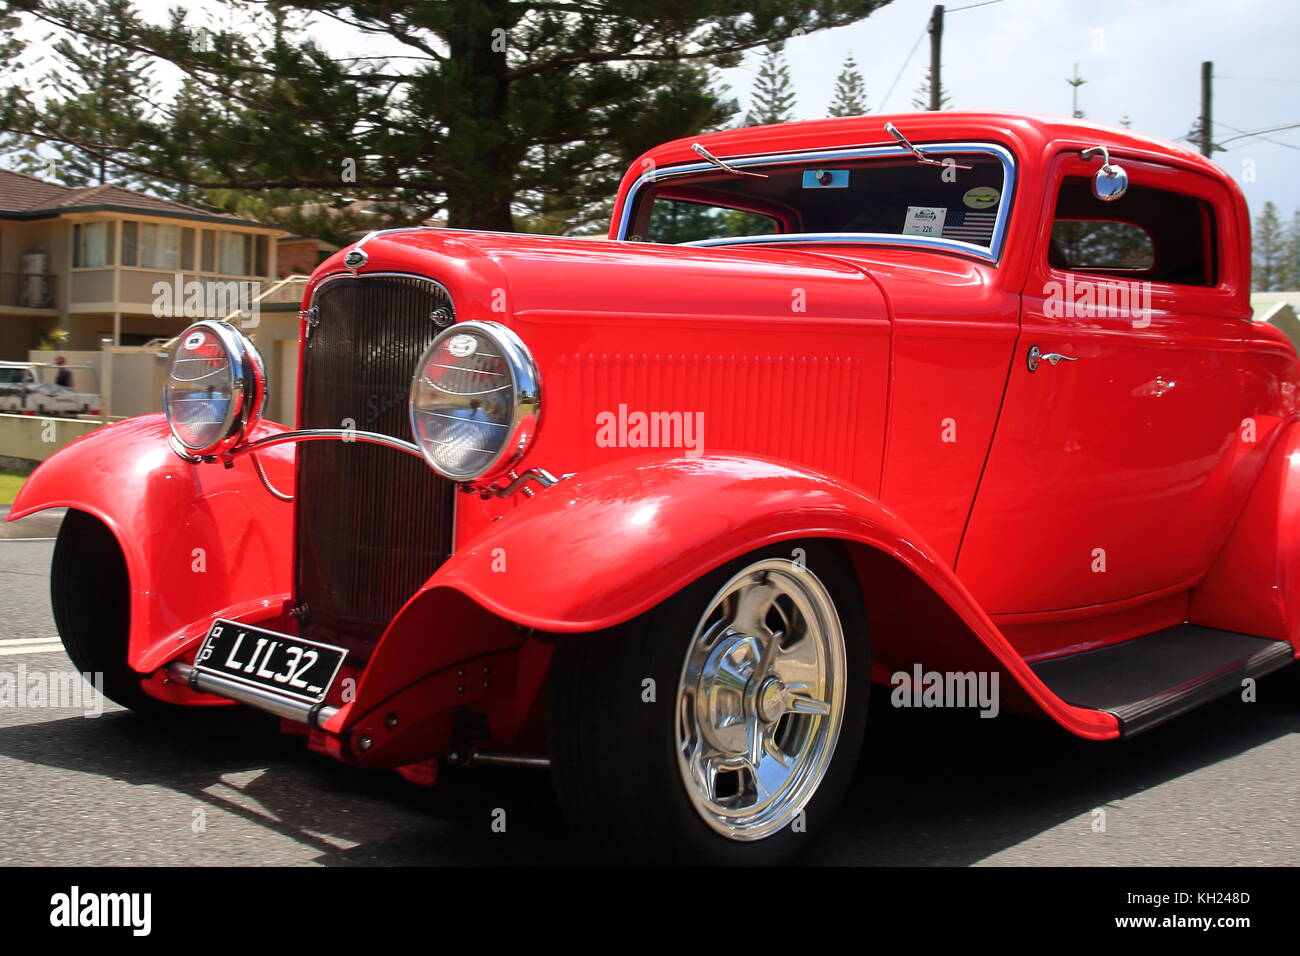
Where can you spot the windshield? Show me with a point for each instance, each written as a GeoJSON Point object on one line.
{"type": "Point", "coordinates": [832, 197]}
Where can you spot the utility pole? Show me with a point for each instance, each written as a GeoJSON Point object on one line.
{"type": "Point", "coordinates": [1207, 113]}
{"type": "Point", "coordinates": [1077, 82]}
{"type": "Point", "coordinates": [936, 42]}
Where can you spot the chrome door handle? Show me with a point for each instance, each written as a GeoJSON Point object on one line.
{"type": "Point", "coordinates": [1036, 355]}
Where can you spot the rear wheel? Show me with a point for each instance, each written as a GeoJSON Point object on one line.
{"type": "Point", "coordinates": [91, 594]}
{"type": "Point", "coordinates": [722, 726]}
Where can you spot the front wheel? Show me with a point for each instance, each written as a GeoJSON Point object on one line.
{"type": "Point", "coordinates": [91, 596]}
{"type": "Point", "coordinates": [722, 726]}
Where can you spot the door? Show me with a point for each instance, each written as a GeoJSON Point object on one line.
{"type": "Point", "coordinates": [1121, 459]}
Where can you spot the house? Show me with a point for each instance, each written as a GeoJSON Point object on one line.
{"type": "Point", "coordinates": [300, 255]}
{"type": "Point", "coordinates": [1278, 309]}
{"type": "Point", "coordinates": [94, 261]}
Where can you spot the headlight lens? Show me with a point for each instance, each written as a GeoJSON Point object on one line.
{"type": "Point", "coordinates": [215, 389]}
{"type": "Point", "coordinates": [474, 401]}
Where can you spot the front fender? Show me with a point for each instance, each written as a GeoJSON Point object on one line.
{"type": "Point", "coordinates": [601, 548]}
{"type": "Point", "coordinates": [199, 540]}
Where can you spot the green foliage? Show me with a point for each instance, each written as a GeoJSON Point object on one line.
{"type": "Point", "coordinates": [674, 220]}
{"type": "Point", "coordinates": [1269, 251]}
{"type": "Point", "coordinates": [1290, 271]}
{"type": "Point", "coordinates": [922, 98]}
{"type": "Point", "coordinates": [850, 90]}
{"type": "Point", "coordinates": [773, 96]}
{"type": "Point", "coordinates": [494, 113]}
{"type": "Point", "coordinates": [1115, 245]}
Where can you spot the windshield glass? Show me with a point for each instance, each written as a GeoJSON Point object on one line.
{"type": "Point", "coordinates": [877, 197]}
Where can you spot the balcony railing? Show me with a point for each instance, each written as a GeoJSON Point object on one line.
{"type": "Point", "coordinates": [26, 290]}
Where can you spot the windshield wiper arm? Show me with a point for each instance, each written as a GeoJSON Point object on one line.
{"type": "Point", "coordinates": [727, 167]}
{"type": "Point", "coordinates": [892, 130]}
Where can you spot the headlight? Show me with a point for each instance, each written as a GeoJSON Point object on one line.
{"type": "Point", "coordinates": [474, 401]}
{"type": "Point", "coordinates": [215, 390]}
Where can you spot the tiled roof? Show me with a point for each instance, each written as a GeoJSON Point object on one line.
{"type": "Point", "coordinates": [30, 196]}
{"type": "Point", "coordinates": [20, 192]}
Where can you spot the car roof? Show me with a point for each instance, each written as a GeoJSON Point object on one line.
{"type": "Point", "coordinates": [1013, 129]}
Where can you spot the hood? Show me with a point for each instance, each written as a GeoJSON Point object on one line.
{"type": "Point", "coordinates": [519, 277]}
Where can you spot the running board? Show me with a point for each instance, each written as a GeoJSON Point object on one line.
{"type": "Point", "coordinates": [1148, 680]}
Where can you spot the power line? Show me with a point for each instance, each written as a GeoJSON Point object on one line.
{"type": "Point", "coordinates": [1275, 142]}
{"type": "Point", "coordinates": [970, 6]}
{"type": "Point", "coordinates": [1256, 79]}
{"type": "Point", "coordinates": [1257, 132]}
{"type": "Point", "coordinates": [890, 92]}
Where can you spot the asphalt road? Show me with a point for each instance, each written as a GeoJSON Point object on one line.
{"type": "Point", "coordinates": [1217, 787]}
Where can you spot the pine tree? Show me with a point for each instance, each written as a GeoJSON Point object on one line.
{"type": "Point", "coordinates": [850, 91]}
{"type": "Point", "coordinates": [1290, 279]}
{"type": "Point", "coordinates": [922, 99]}
{"type": "Point", "coordinates": [479, 110]}
{"type": "Point", "coordinates": [773, 97]}
{"type": "Point", "coordinates": [104, 87]}
{"type": "Point", "coordinates": [1270, 250]}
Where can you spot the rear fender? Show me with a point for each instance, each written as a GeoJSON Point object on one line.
{"type": "Point", "coordinates": [200, 540]}
{"type": "Point", "coordinates": [601, 548]}
{"type": "Point", "coordinates": [1254, 584]}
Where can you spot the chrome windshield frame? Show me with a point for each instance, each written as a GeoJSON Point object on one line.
{"type": "Point", "coordinates": [991, 254]}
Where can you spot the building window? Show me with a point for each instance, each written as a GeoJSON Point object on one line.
{"type": "Point", "coordinates": [187, 250]}
{"type": "Point", "coordinates": [208, 254]}
{"type": "Point", "coordinates": [235, 254]}
{"type": "Point", "coordinates": [130, 242]}
{"type": "Point", "coordinates": [91, 245]}
{"type": "Point", "coordinates": [160, 246]}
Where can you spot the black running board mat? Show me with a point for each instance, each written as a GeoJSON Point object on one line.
{"type": "Point", "coordinates": [1150, 679]}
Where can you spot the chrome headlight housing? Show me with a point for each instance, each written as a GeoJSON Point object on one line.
{"type": "Point", "coordinates": [474, 401]}
{"type": "Point", "coordinates": [215, 388]}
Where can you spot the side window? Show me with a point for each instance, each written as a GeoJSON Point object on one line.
{"type": "Point", "coordinates": [677, 220]}
{"type": "Point", "coordinates": [1149, 234]}
{"type": "Point", "coordinates": [1079, 245]}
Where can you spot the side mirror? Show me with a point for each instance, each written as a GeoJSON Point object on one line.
{"type": "Point", "coordinates": [1111, 182]}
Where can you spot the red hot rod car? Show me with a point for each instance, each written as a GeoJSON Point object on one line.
{"type": "Point", "coordinates": [836, 403]}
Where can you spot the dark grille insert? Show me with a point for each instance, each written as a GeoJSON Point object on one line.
{"type": "Point", "coordinates": [372, 522]}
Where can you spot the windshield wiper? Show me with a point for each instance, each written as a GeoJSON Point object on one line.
{"type": "Point", "coordinates": [725, 166]}
{"type": "Point", "coordinates": [892, 130]}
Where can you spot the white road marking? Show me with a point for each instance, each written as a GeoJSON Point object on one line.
{"type": "Point", "coordinates": [34, 649]}
{"type": "Point", "coordinates": [2, 540]}
{"type": "Point", "coordinates": [10, 641]}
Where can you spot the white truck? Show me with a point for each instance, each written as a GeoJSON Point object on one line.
{"type": "Point", "coordinates": [32, 388]}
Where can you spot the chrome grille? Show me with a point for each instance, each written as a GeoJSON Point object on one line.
{"type": "Point", "coordinates": [372, 523]}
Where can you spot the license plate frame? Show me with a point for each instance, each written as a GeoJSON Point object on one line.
{"type": "Point", "coordinates": [263, 663]}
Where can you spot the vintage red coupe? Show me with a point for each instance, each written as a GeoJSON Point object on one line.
{"type": "Point", "coordinates": [942, 401]}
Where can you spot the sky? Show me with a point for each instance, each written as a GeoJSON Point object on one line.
{"type": "Point", "coordinates": [1140, 58]}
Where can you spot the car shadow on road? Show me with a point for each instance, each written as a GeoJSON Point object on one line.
{"type": "Point", "coordinates": [931, 787]}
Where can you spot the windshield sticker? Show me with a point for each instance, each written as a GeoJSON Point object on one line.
{"type": "Point", "coordinates": [825, 179]}
{"type": "Point", "coordinates": [981, 197]}
{"type": "Point", "coordinates": [924, 220]}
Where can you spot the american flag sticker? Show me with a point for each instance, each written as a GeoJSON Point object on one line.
{"type": "Point", "coordinates": [969, 226]}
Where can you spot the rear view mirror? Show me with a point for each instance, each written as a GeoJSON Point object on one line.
{"type": "Point", "coordinates": [1111, 182]}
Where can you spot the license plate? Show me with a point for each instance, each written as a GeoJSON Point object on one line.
{"type": "Point", "coordinates": [290, 666]}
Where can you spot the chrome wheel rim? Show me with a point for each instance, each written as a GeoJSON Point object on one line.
{"type": "Point", "coordinates": [760, 699]}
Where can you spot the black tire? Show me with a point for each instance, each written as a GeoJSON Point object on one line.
{"type": "Point", "coordinates": [614, 759]}
{"type": "Point", "coordinates": [91, 595]}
